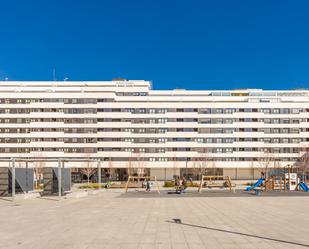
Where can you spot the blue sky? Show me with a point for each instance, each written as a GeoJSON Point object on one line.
{"type": "Point", "coordinates": [219, 44]}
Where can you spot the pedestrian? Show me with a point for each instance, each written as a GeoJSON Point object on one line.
{"type": "Point", "coordinates": [147, 186]}
{"type": "Point", "coordinates": [184, 183]}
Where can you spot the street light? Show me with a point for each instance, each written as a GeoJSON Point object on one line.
{"type": "Point", "coordinates": [186, 167]}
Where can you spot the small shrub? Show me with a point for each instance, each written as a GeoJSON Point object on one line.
{"type": "Point", "coordinates": [90, 186]}
{"type": "Point", "coordinates": [192, 184]}
{"type": "Point", "coordinates": [169, 184]}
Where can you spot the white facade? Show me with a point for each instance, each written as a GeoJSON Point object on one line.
{"type": "Point", "coordinates": [126, 124]}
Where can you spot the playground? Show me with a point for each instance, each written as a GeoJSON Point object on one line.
{"type": "Point", "coordinates": [57, 182]}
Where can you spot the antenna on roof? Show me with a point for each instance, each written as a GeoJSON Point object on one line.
{"type": "Point", "coordinates": [54, 74]}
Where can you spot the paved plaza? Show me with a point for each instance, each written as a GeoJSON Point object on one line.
{"type": "Point", "coordinates": [112, 219]}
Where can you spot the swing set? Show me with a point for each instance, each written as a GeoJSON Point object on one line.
{"type": "Point", "coordinates": [132, 179]}
{"type": "Point", "coordinates": [210, 182]}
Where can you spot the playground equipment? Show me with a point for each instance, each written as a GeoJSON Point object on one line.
{"type": "Point", "coordinates": [292, 180]}
{"type": "Point", "coordinates": [255, 185]}
{"type": "Point", "coordinates": [210, 182]}
{"type": "Point", "coordinates": [270, 183]}
{"type": "Point", "coordinates": [276, 182]}
{"type": "Point", "coordinates": [141, 179]}
{"type": "Point", "coordinates": [304, 186]}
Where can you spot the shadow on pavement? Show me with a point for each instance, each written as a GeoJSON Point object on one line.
{"type": "Point", "coordinates": [179, 222]}
{"type": "Point", "coordinates": [48, 198]}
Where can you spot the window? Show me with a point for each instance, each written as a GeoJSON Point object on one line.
{"type": "Point", "coordinates": [162, 140]}
{"type": "Point", "coordinates": [276, 121]}
{"type": "Point", "coordinates": [229, 110]}
{"type": "Point", "coordinates": [276, 140]}
{"type": "Point", "coordinates": [276, 111]}
{"type": "Point", "coordinates": [218, 110]}
{"type": "Point", "coordinates": [199, 140]}
{"type": "Point", "coordinates": [229, 140]}
{"type": "Point", "coordinates": [208, 140]}
{"type": "Point", "coordinates": [267, 120]}
{"type": "Point", "coordinates": [284, 111]}
{"type": "Point", "coordinates": [219, 140]}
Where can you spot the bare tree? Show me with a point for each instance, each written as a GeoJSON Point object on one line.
{"type": "Point", "coordinates": [38, 165]}
{"type": "Point", "coordinates": [130, 165]}
{"type": "Point", "coordinates": [140, 164]}
{"type": "Point", "coordinates": [175, 165]}
{"type": "Point", "coordinates": [203, 162]}
{"type": "Point", "coordinates": [303, 161]}
{"type": "Point", "coordinates": [110, 167]}
{"type": "Point", "coordinates": [88, 170]}
{"type": "Point", "coordinates": [252, 170]}
{"type": "Point", "coordinates": [265, 160]}
{"type": "Point", "coordinates": [213, 166]}
{"type": "Point", "coordinates": [140, 161]}
{"type": "Point", "coordinates": [195, 168]}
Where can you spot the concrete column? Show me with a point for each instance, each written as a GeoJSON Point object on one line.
{"type": "Point", "coordinates": [27, 176]}
{"type": "Point", "coordinates": [99, 172]}
{"type": "Point", "coordinates": [59, 179]}
{"type": "Point", "coordinates": [62, 178]}
{"type": "Point", "coordinates": [13, 179]}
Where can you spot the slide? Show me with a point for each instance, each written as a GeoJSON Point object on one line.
{"type": "Point", "coordinates": [304, 186]}
{"type": "Point", "coordinates": [258, 183]}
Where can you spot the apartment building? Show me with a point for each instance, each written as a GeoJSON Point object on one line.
{"type": "Point", "coordinates": [126, 125]}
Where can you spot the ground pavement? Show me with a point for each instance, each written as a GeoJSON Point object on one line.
{"type": "Point", "coordinates": [112, 219]}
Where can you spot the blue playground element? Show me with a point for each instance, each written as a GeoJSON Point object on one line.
{"type": "Point", "coordinates": [304, 186]}
{"type": "Point", "coordinates": [255, 185]}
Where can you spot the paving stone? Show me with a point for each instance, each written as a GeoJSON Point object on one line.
{"type": "Point", "coordinates": [108, 220]}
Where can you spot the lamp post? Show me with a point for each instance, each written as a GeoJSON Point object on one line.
{"type": "Point", "coordinates": [99, 172]}
{"type": "Point", "coordinates": [186, 167]}
{"type": "Point", "coordinates": [59, 179]}
{"type": "Point", "coordinates": [13, 179]}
